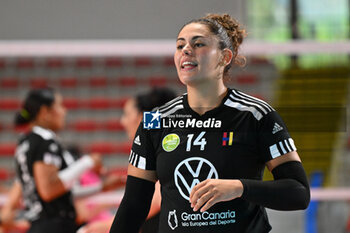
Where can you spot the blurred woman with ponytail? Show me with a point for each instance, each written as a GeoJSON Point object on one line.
{"type": "Point", "coordinates": [45, 170]}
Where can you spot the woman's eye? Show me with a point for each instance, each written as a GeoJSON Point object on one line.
{"type": "Point", "coordinates": [179, 47]}
{"type": "Point", "coordinates": [199, 45]}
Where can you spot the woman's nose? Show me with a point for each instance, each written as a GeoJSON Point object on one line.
{"type": "Point", "coordinates": [187, 50]}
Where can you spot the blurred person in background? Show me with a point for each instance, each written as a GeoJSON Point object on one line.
{"type": "Point", "coordinates": [210, 155]}
{"type": "Point", "coordinates": [132, 116]}
{"type": "Point", "coordinates": [89, 183]}
{"type": "Point", "coordinates": [45, 170]}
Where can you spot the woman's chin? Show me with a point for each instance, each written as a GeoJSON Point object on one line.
{"type": "Point", "coordinates": [189, 80]}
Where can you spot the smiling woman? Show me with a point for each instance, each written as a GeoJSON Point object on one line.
{"type": "Point", "coordinates": [202, 58]}
{"type": "Point", "coordinates": [229, 36]}
{"type": "Point", "coordinates": [213, 159]}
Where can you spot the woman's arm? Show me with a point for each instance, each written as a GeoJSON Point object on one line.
{"type": "Point", "coordinates": [143, 174]}
{"type": "Point", "coordinates": [136, 202]}
{"type": "Point", "coordinates": [288, 191]}
{"type": "Point", "coordinates": [13, 200]}
{"type": "Point", "coordinates": [156, 202]}
{"type": "Point", "coordinates": [291, 156]}
{"type": "Point", "coordinates": [52, 183]}
{"type": "Point", "coordinates": [47, 181]}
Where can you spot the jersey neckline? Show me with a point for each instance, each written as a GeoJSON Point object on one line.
{"type": "Point", "coordinates": [44, 133]}
{"type": "Point", "coordinates": [210, 113]}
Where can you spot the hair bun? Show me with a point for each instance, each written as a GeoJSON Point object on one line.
{"type": "Point", "coordinates": [234, 30]}
{"type": "Point", "coordinates": [20, 119]}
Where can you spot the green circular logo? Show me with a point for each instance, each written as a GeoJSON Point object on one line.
{"type": "Point", "coordinates": [170, 142]}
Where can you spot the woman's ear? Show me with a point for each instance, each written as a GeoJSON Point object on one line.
{"type": "Point", "coordinates": [43, 113]}
{"type": "Point", "coordinates": [227, 56]}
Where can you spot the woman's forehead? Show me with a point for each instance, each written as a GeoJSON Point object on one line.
{"type": "Point", "coordinates": [194, 29]}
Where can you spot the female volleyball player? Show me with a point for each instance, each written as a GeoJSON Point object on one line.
{"type": "Point", "coordinates": [45, 170]}
{"type": "Point", "coordinates": [208, 148]}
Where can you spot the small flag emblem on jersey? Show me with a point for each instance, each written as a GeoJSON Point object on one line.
{"type": "Point", "coordinates": [151, 120]}
{"type": "Point", "coordinates": [227, 138]}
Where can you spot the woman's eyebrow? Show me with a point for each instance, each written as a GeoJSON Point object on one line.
{"type": "Point", "coordinates": [193, 38]}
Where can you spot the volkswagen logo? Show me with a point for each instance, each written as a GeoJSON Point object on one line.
{"type": "Point", "coordinates": [192, 171]}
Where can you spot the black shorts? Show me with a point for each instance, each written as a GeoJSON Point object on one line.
{"type": "Point", "coordinates": [53, 225]}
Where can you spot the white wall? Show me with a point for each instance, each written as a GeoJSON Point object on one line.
{"type": "Point", "coordinates": [104, 19]}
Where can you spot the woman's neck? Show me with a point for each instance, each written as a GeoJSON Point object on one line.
{"type": "Point", "coordinates": [203, 98]}
{"type": "Point", "coordinates": [41, 125]}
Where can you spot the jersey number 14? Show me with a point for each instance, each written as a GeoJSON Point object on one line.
{"type": "Point", "coordinates": [199, 141]}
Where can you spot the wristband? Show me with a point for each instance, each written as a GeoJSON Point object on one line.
{"type": "Point", "coordinates": [72, 173]}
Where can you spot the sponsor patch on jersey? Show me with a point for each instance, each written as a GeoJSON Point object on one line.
{"type": "Point", "coordinates": [170, 142]}
{"type": "Point", "coordinates": [276, 128]}
{"type": "Point", "coordinates": [227, 138]}
{"type": "Point", "coordinates": [191, 172]}
{"type": "Point", "coordinates": [172, 220]}
{"type": "Point", "coordinates": [137, 140]}
{"type": "Point", "coordinates": [151, 120]}
{"type": "Point", "coordinates": [210, 123]}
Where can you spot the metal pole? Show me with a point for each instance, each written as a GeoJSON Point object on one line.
{"type": "Point", "coordinates": [294, 27]}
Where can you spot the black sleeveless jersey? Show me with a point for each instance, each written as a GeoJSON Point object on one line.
{"type": "Point", "coordinates": [42, 145]}
{"type": "Point", "coordinates": [232, 141]}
